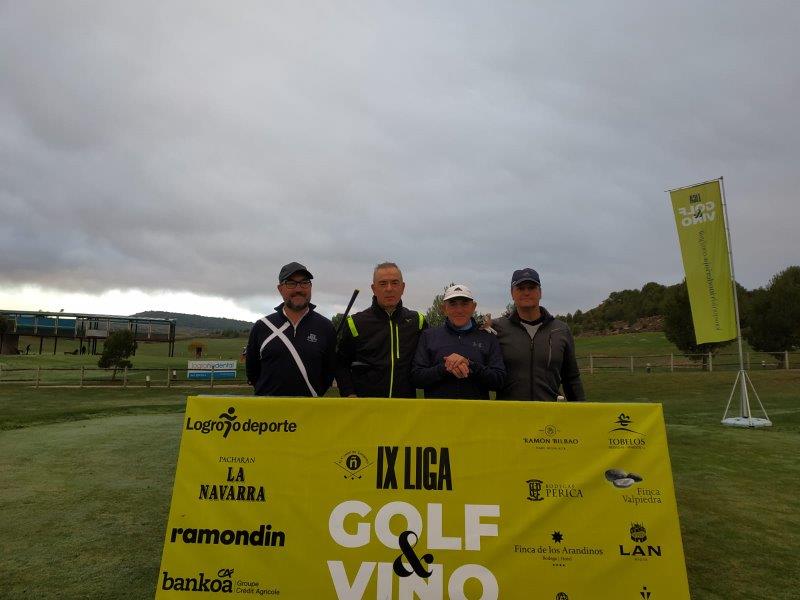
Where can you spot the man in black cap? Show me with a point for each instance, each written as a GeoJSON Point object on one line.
{"type": "Point", "coordinates": [538, 349]}
{"type": "Point", "coordinates": [292, 351]}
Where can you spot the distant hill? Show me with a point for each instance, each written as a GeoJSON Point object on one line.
{"type": "Point", "coordinates": [198, 323]}
{"type": "Point", "coordinates": [623, 311]}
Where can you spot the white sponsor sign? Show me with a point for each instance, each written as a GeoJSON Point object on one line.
{"type": "Point", "coordinates": [202, 369]}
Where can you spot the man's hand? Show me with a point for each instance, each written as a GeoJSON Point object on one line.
{"type": "Point", "coordinates": [457, 365]}
{"type": "Point", "coordinates": [487, 324]}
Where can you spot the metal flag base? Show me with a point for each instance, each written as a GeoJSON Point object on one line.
{"type": "Point", "coordinates": [746, 422]}
{"type": "Point", "coordinates": [745, 418]}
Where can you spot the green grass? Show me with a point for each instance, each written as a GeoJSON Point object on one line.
{"type": "Point", "coordinates": [150, 359]}
{"type": "Point", "coordinates": [87, 477]}
{"type": "Point", "coordinates": [149, 354]}
{"type": "Point", "coordinates": [610, 353]}
{"type": "Point", "coordinates": [27, 407]}
{"type": "Point", "coordinates": [84, 506]}
{"type": "Point", "coordinates": [624, 344]}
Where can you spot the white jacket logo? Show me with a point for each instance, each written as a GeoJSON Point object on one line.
{"type": "Point", "coordinates": [312, 338]}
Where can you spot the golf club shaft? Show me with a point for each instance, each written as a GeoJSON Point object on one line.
{"type": "Point", "coordinates": [347, 310]}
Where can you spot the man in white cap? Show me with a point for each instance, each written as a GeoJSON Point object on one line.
{"type": "Point", "coordinates": [292, 351]}
{"type": "Point", "coordinates": [538, 349]}
{"type": "Point", "coordinates": [458, 359]}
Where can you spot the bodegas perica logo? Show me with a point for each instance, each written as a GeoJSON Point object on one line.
{"type": "Point", "coordinates": [229, 422]}
{"type": "Point", "coordinates": [539, 490]}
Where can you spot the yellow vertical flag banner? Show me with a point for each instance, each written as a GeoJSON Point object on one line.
{"type": "Point", "coordinates": [700, 219]}
{"type": "Point", "coordinates": [317, 498]}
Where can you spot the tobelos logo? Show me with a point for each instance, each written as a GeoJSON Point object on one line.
{"type": "Point", "coordinates": [229, 421]}
{"type": "Point", "coordinates": [623, 436]}
{"type": "Point", "coordinates": [623, 421]}
{"type": "Point", "coordinates": [562, 596]}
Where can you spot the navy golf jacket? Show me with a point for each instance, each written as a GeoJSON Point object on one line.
{"type": "Point", "coordinates": [486, 368]}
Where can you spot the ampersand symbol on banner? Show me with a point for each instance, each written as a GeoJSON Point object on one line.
{"type": "Point", "coordinates": [411, 557]}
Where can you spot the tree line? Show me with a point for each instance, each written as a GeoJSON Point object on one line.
{"type": "Point", "coordinates": [769, 315]}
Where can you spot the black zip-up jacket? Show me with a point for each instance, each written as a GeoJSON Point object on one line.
{"type": "Point", "coordinates": [272, 370]}
{"type": "Point", "coordinates": [537, 367]}
{"type": "Point", "coordinates": [375, 352]}
{"type": "Point", "coordinates": [486, 369]}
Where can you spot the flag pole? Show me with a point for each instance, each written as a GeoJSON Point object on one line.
{"type": "Point", "coordinates": [735, 295]}
{"type": "Point", "coordinates": [745, 418]}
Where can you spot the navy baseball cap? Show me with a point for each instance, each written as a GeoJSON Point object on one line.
{"type": "Point", "coordinates": [292, 268]}
{"type": "Point", "coordinates": [523, 275]}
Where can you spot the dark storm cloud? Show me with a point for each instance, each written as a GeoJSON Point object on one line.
{"type": "Point", "coordinates": [199, 146]}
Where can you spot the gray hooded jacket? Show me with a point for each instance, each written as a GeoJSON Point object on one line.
{"type": "Point", "coordinates": [536, 368]}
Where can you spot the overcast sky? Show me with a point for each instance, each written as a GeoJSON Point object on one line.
{"type": "Point", "coordinates": [173, 155]}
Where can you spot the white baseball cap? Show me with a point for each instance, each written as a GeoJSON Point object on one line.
{"type": "Point", "coordinates": [458, 291]}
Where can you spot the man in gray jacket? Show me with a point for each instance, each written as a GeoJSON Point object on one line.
{"type": "Point", "coordinates": [538, 349]}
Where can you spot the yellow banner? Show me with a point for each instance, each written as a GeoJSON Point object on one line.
{"type": "Point", "coordinates": [315, 498]}
{"type": "Point", "coordinates": [700, 220]}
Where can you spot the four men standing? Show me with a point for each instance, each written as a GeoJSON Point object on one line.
{"type": "Point", "coordinates": [526, 356]}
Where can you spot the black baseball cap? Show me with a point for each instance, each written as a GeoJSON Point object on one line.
{"type": "Point", "coordinates": [292, 268]}
{"type": "Point", "coordinates": [523, 275]}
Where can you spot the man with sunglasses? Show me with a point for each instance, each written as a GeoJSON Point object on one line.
{"type": "Point", "coordinates": [292, 351]}
{"type": "Point", "coordinates": [538, 349]}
